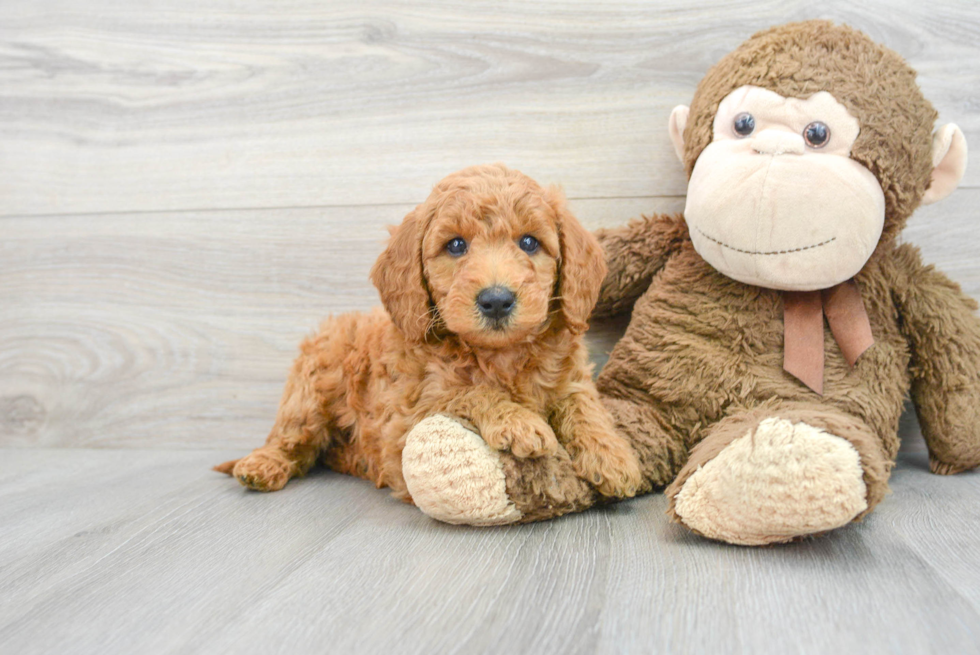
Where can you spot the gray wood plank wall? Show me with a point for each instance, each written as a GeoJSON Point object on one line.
{"type": "Point", "coordinates": [186, 189]}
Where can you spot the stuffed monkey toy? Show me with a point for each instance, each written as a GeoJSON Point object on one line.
{"type": "Point", "coordinates": [778, 325]}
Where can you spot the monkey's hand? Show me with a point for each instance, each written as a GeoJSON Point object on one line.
{"type": "Point", "coordinates": [950, 420]}
{"type": "Point", "coordinates": [634, 253]}
{"type": "Point", "coordinates": [944, 336]}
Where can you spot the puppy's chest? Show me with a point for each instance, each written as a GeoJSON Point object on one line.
{"type": "Point", "coordinates": [527, 386]}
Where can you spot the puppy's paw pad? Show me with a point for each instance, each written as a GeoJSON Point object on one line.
{"type": "Point", "coordinates": [611, 467]}
{"type": "Point", "coordinates": [532, 437]}
{"type": "Point", "coordinates": [262, 472]}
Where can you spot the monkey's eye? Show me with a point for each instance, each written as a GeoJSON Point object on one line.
{"type": "Point", "coordinates": [744, 124]}
{"type": "Point", "coordinates": [529, 244]}
{"type": "Point", "coordinates": [456, 247]}
{"type": "Point", "coordinates": [816, 134]}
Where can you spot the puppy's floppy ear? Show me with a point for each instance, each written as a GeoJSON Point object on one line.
{"type": "Point", "coordinates": [582, 267]}
{"type": "Point", "coordinates": [398, 276]}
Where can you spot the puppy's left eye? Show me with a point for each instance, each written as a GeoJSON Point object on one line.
{"type": "Point", "coordinates": [456, 247]}
{"type": "Point", "coordinates": [529, 244]}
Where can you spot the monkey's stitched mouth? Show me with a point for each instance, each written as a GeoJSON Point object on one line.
{"type": "Point", "coordinates": [762, 252]}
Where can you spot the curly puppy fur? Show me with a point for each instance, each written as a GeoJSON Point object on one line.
{"type": "Point", "coordinates": [524, 382]}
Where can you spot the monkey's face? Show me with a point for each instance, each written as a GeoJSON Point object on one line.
{"type": "Point", "coordinates": [776, 201]}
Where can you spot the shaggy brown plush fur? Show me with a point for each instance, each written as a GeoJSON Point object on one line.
{"type": "Point", "coordinates": [873, 82]}
{"type": "Point", "coordinates": [701, 361]}
{"type": "Point", "coordinates": [701, 347]}
{"type": "Point", "coordinates": [525, 384]}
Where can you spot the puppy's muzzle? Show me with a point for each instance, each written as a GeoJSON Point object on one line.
{"type": "Point", "coordinates": [496, 304]}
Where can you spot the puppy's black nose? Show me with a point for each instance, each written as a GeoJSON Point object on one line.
{"type": "Point", "coordinates": [496, 303]}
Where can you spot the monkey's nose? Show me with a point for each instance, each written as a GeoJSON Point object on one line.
{"type": "Point", "coordinates": [496, 303]}
{"type": "Point", "coordinates": [778, 142]}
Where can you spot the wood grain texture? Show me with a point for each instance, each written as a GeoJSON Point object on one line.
{"type": "Point", "coordinates": [186, 189]}
{"type": "Point", "coordinates": [149, 552]}
{"type": "Point", "coordinates": [176, 330]}
{"type": "Point", "coordinates": [111, 106]}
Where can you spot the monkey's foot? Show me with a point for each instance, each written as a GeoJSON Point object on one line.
{"type": "Point", "coordinates": [454, 476]}
{"type": "Point", "coordinates": [779, 481]}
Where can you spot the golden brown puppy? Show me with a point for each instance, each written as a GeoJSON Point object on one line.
{"type": "Point", "coordinates": [488, 285]}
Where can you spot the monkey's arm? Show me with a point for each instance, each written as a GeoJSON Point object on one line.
{"type": "Point", "coordinates": [635, 253]}
{"type": "Point", "coordinates": [944, 336]}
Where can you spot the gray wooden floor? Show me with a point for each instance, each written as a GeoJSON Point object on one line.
{"type": "Point", "coordinates": [141, 551]}
{"type": "Point", "coordinates": [187, 188]}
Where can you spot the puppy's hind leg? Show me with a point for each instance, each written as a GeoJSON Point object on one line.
{"type": "Point", "coordinates": [301, 431]}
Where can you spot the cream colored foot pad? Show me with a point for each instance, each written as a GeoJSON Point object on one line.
{"type": "Point", "coordinates": [786, 480]}
{"type": "Point", "coordinates": [454, 476]}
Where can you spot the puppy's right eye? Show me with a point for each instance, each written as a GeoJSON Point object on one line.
{"type": "Point", "coordinates": [456, 247]}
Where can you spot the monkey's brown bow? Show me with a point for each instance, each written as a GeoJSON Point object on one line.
{"type": "Point", "coordinates": [803, 313]}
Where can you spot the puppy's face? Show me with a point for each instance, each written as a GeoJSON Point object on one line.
{"type": "Point", "coordinates": [490, 258]}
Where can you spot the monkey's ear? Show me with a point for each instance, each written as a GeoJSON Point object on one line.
{"type": "Point", "coordinates": [948, 161]}
{"type": "Point", "coordinates": [398, 276]}
{"type": "Point", "coordinates": [678, 121]}
{"type": "Point", "coordinates": [582, 267]}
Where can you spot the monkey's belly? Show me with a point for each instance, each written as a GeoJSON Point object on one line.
{"type": "Point", "coordinates": [704, 341]}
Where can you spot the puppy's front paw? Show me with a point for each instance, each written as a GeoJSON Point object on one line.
{"type": "Point", "coordinates": [523, 433]}
{"type": "Point", "coordinates": [262, 470]}
{"type": "Point", "coordinates": [610, 465]}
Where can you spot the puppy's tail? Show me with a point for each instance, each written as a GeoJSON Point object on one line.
{"type": "Point", "coordinates": [225, 468]}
